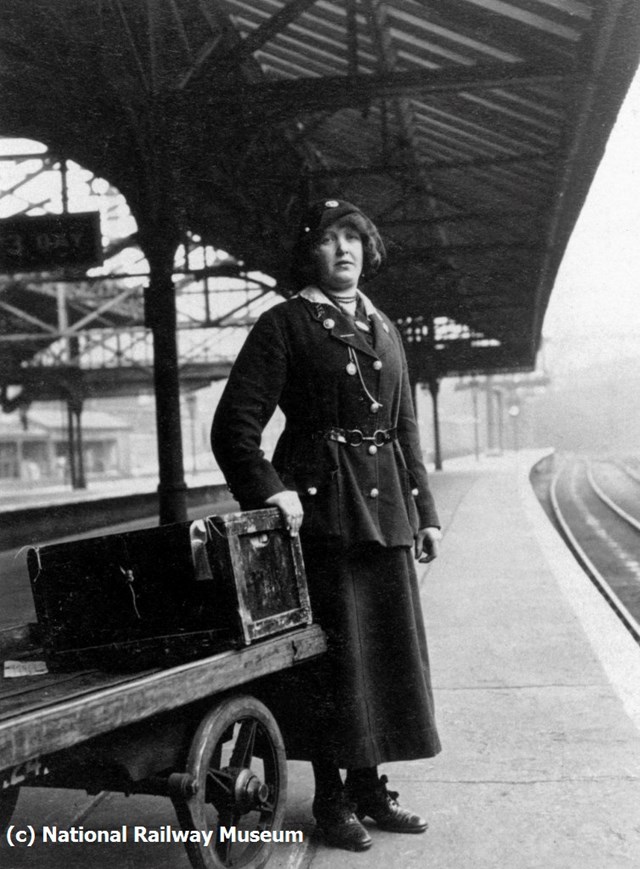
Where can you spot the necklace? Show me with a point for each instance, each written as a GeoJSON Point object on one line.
{"type": "Point", "coordinates": [343, 300]}
{"type": "Point", "coordinates": [347, 304]}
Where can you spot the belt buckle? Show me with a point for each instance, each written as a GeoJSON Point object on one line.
{"type": "Point", "coordinates": [356, 437]}
{"type": "Point", "coordinates": [379, 437]}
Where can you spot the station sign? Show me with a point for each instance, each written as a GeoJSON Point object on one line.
{"type": "Point", "coordinates": [50, 241]}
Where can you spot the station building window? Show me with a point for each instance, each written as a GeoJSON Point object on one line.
{"type": "Point", "coordinates": [9, 466]}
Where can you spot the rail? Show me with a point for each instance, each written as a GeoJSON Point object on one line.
{"type": "Point", "coordinates": [588, 566]}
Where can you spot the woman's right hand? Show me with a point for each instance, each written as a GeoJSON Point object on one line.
{"type": "Point", "coordinates": [290, 506]}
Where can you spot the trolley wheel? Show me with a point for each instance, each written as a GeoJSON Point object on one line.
{"type": "Point", "coordinates": [8, 800]}
{"type": "Point", "coordinates": [238, 768]}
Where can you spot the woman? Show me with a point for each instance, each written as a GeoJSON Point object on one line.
{"type": "Point", "coordinates": [347, 474]}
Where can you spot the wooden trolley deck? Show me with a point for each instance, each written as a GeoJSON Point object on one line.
{"type": "Point", "coordinates": [188, 732]}
{"type": "Point", "coordinates": [44, 714]}
{"type": "Point", "coordinates": [198, 614]}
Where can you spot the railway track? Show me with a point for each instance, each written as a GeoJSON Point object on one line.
{"type": "Point", "coordinates": [596, 505]}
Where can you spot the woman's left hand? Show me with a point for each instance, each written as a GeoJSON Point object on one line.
{"type": "Point", "coordinates": [427, 540]}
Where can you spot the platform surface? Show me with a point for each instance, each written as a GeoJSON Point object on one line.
{"type": "Point", "coordinates": [20, 495]}
{"type": "Point", "coordinates": [537, 699]}
{"type": "Point", "coordinates": [537, 696]}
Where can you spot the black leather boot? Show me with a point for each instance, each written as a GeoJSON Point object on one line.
{"type": "Point", "coordinates": [338, 823]}
{"type": "Point", "coordinates": [373, 800]}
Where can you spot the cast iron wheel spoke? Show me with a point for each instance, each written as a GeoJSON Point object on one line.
{"type": "Point", "coordinates": [219, 788]}
{"type": "Point", "coordinates": [227, 790]}
{"type": "Point", "coordinates": [223, 849]}
{"type": "Point", "coordinates": [243, 750]}
{"type": "Point", "coordinates": [267, 808]}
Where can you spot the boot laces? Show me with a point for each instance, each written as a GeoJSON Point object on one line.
{"type": "Point", "coordinates": [392, 796]}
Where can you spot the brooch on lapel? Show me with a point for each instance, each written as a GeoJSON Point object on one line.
{"type": "Point", "coordinates": [321, 315]}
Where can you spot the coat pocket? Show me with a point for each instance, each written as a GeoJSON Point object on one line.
{"type": "Point", "coordinates": [322, 506]}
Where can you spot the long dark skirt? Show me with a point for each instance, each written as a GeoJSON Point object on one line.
{"type": "Point", "coordinates": [368, 700]}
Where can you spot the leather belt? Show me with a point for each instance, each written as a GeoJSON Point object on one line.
{"type": "Point", "coordinates": [355, 438]}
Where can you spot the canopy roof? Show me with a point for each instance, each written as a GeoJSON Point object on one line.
{"type": "Point", "coordinates": [469, 130]}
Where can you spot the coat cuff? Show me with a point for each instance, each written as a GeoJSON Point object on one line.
{"type": "Point", "coordinates": [265, 482]}
{"type": "Point", "coordinates": [427, 513]}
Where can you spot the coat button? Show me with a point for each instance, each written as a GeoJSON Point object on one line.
{"type": "Point", "coordinates": [374, 493]}
{"type": "Point", "coordinates": [351, 368]}
{"type": "Point", "coordinates": [415, 493]}
{"type": "Point", "coordinates": [329, 323]}
{"type": "Point", "coordinates": [375, 407]}
{"type": "Point", "coordinates": [312, 490]}
{"type": "Point", "coordinates": [377, 365]}
{"type": "Point", "coordinates": [373, 449]}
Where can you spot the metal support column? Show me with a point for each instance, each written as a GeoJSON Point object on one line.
{"type": "Point", "coordinates": [500, 415]}
{"type": "Point", "coordinates": [476, 419]}
{"type": "Point", "coordinates": [80, 474]}
{"type": "Point", "coordinates": [491, 438]}
{"type": "Point", "coordinates": [77, 476]}
{"type": "Point", "coordinates": [71, 447]}
{"type": "Point", "coordinates": [192, 406]}
{"type": "Point", "coordinates": [434, 389]}
{"type": "Point", "coordinates": [160, 308]}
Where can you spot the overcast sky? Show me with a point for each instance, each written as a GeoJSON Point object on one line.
{"type": "Point", "coordinates": [597, 291]}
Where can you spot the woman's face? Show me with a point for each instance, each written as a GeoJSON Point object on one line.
{"type": "Point", "coordinates": [338, 256]}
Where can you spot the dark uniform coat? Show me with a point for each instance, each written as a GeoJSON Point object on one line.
{"type": "Point", "coordinates": [363, 502]}
{"type": "Point", "coordinates": [300, 355]}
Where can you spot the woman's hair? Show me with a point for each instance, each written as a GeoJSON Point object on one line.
{"type": "Point", "coordinates": [320, 216]}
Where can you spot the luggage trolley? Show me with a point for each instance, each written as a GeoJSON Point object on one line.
{"type": "Point", "coordinates": [155, 642]}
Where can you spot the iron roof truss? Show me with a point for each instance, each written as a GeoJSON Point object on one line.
{"type": "Point", "coordinates": [470, 130]}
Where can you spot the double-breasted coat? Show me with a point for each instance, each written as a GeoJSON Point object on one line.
{"type": "Point", "coordinates": [316, 363]}
{"type": "Point", "coordinates": [351, 449]}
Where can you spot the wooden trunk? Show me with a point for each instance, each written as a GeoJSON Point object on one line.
{"type": "Point", "coordinates": [168, 593]}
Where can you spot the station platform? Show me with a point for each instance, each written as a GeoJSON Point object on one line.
{"type": "Point", "coordinates": [30, 515]}
{"type": "Point", "coordinates": [537, 698]}
{"type": "Point", "coordinates": [536, 686]}
{"type": "Point", "coordinates": [21, 496]}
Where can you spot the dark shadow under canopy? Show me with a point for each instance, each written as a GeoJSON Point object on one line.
{"type": "Point", "coordinates": [469, 130]}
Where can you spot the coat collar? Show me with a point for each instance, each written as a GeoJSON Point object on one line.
{"type": "Point", "coordinates": [353, 336]}
{"type": "Point", "coordinates": [315, 295]}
